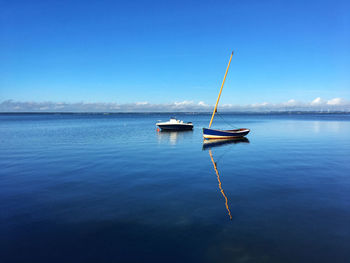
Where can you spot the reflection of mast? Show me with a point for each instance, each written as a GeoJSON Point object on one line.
{"type": "Point", "coordinates": [222, 190]}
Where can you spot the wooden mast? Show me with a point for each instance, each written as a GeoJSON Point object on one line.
{"type": "Point", "coordinates": [222, 85]}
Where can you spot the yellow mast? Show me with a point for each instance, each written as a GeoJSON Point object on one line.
{"type": "Point", "coordinates": [222, 85]}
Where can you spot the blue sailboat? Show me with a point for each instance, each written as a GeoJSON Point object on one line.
{"type": "Point", "coordinates": [223, 134]}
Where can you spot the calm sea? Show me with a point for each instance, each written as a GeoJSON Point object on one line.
{"type": "Point", "coordinates": [110, 188]}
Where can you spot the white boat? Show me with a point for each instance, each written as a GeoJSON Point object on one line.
{"type": "Point", "coordinates": [175, 125]}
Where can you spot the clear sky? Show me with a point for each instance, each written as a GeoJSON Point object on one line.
{"type": "Point", "coordinates": [167, 51]}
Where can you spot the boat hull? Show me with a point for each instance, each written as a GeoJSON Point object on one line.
{"type": "Point", "coordinates": [224, 134]}
{"type": "Point", "coordinates": [175, 127]}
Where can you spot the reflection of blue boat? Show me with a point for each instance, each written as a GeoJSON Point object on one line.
{"type": "Point", "coordinates": [223, 134]}
{"type": "Point", "coordinates": [220, 184]}
{"type": "Point", "coordinates": [208, 144]}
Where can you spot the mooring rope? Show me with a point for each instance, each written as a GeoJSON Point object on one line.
{"type": "Point", "coordinates": [229, 124]}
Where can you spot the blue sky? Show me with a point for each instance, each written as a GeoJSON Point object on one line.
{"type": "Point", "coordinates": [162, 52]}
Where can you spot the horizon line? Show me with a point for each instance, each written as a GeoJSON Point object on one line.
{"type": "Point", "coordinates": [180, 112]}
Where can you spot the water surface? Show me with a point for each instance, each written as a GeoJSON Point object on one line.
{"type": "Point", "coordinates": [110, 188]}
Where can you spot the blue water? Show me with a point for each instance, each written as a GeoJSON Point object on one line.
{"type": "Point", "coordinates": [110, 188]}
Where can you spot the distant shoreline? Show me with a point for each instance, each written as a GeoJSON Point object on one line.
{"type": "Point", "coordinates": [193, 113]}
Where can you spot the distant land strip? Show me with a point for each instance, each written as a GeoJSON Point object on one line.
{"type": "Point", "coordinates": [318, 105]}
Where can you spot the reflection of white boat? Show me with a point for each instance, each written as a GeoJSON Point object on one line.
{"type": "Point", "coordinates": [173, 137]}
{"type": "Point", "coordinates": [175, 125]}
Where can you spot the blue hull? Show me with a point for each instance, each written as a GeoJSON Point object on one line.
{"type": "Point", "coordinates": [224, 134]}
{"type": "Point", "coordinates": [175, 127]}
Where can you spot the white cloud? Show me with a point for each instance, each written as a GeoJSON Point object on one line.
{"type": "Point", "coordinates": [336, 101]}
{"type": "Point", "coordinates": [317, 101]}
{"type": "Point", "coordinates": [182, 103]}
{"type": "Point", "coordinates": [291, 102]}
{"type": "Point", "coordinates": [257, 105]}
{"type": "Point", "coordinates": [142, 103]}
